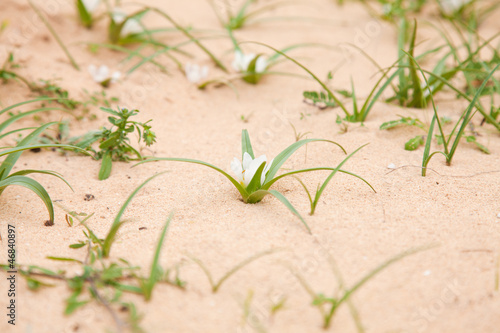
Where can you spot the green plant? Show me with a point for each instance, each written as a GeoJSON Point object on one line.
{"type": "Point", "coordinates": [217, 284]}
{"type": "Point", "coordinates": [455, 135]}
{"type": "Point", "coordinates": [255, 176]}
{"type": "Point", "coordinates": [358, 114]}
{"type": "Point", "coordinates": [105, 279]}
{"type": "Point", "coordinates": [85, 10]}
{"type": "Point", "coordinates": [7, 72]}
{"type": "Point", "coordinates": [126, 29]}
{"type": "Point", "coordinates": [239, 18]}
{"type": "Point", "coordinates": [320, 189]}
{"type": "Point", "coordinates": [328, 306]}
{"type": "Point", "coordinates": [114, 142]}
{"type": "Point", "coordinates": [12, 155]}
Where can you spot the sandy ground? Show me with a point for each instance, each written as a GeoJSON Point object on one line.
{"type": "Point", "coordinates": [449, 288]}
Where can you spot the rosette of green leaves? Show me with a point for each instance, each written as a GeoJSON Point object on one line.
{"type": "Point", "coordinates": [257, 190]}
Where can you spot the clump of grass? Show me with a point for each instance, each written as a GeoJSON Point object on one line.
{"type": "Point", "coordinates": [105, 279]}
{"type": "Point", "coordinates": [451, 141]}
{"type": "Point", "coordinates": [27, 143]}
{"type": "Point", "coordinates": [328, 305]}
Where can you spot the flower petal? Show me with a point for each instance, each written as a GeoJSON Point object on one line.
{"type": "Point", "coordinates": [90, 5]}
{"type": "Point", "coordinates": [115, 76]}
{"type": "Point", "coordinates": [252, 169]}
{"type": "Point", "coordinates": [261, 65]}
{"type": "Point", "coordinates": [237, 169]}
{"type": "Point", "coordinates": [131, 27]}
{"type": "Point", "coordinates": [265, 171]}
{"type": "Point", "coordinates": [247, 159]}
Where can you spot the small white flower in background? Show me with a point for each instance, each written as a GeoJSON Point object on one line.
{"type": "Point", "coordinates": [451, 6]}
{"type": "Point", "coordinates": [90, 5]}
{"type": "Point", "coordinates": [242, 61]}
{"type": "Point", "coordinates": [498, 215]}
{"type": "Point", "coordinates": [131, 26]}
{"type": "Point", "coordinates": [427, 272]}
{"type": "Point", "coordinates": [195, 73]}
{"type": "Point", "coordinates": [391, 166]}
{"type": "Point", "coordinates": [101, 75]}
{"type": "Point", "coordinates": [245, 172]}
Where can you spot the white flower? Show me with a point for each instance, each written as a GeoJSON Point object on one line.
{"type": "Point", "coordinates": [246, 171]}
{"type": "Point", "coordinates": [90, 5]}
{"type": "Point", "coordinates": [242, 61]}
{"type": "Point", "coordinates": [101, 75]}
{"type": "Point", "coordinates": [451, 6]}
{"type": "Point", "coordinates": [391, 166]}
{"type": "Point", "coordinates": [195, 73]}
{"type": "Point", "coordinates": [131, 26]}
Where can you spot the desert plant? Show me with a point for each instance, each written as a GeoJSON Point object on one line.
{"type": "Point", "coordinates": [451, 141]}
{"type": "Point", "coordinates": [328, 306]}
{"type": "Point", "coordinates": [114, 142]}
{"type": "Point", "coordinates": [105, 279]}
{"type": "Point", "coordinates": [255, 176]}
{"type": "Point", "coordinates": [12, 155]}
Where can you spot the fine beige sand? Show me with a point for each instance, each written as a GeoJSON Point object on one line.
{"type": "Point", "coordinates": [449, 288]}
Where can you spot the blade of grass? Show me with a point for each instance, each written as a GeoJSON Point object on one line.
{"type": "Point", "coordinates": [325, 183]}
{"type": "Point", "coordinates": [238, 186]}
{"type": "Point", "coordinates": [53, 32]}
{"type": "Point", "coordinates": [155, 266]}
{"type": "Point", "coordinates": [246, 145]}
{"type": "Point", "coordinates": [117, 223]}
{"type": "Point", "coordinates": [32, 185]}
{"type": "Point", "coordinates": [281, 158]}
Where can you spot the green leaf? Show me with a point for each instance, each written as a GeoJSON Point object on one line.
{"type": "Point", "coordinates": [467, 116]}
{"type": "Point", "coordinates": [16, 117]}
{"type": "Point", "coordinates": [46, 172]}
{"type": "Point", "coordinates": [73, 304]}
{"type": "Point", "coordinates": [32, 185]}
{"type": "Point", "coordinates": [417, 99]}
{"type": "Point", "coordinates": [251, 76]}
{"type": "Point", "coordinates": [40, 99]}
{"type": "Point", "coordinates": [314, 169]}
{"type": "Point", "coordinates": [246, 145]}
{"type": "Point", "coordinates": [238, 186]}
{"type": "Point", "coordinates": [325, 183]}
{"type": "Point", "coordinates": [11, 160]}
{"type": "Point", "coordinates": [155, 266]}
{"type": "Point", "coordinates": [472, 138]}
{"type": "Point", "coordinates": [260, 194]}
{"type": "Point", "coordinates": [281, 158]}
{"type": "Point", "coordinates": [117, 223]}
{"type": "Point", "coordinates": [85, 16]}
{"type": "Point", "coordinates": [64, 259]}
{"type": "Point", "coordinates": [254, 184]}
{"type": "Point", "coordinates": [414, 143]}
{"type": "Point", "coordinates": [106, 166]}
